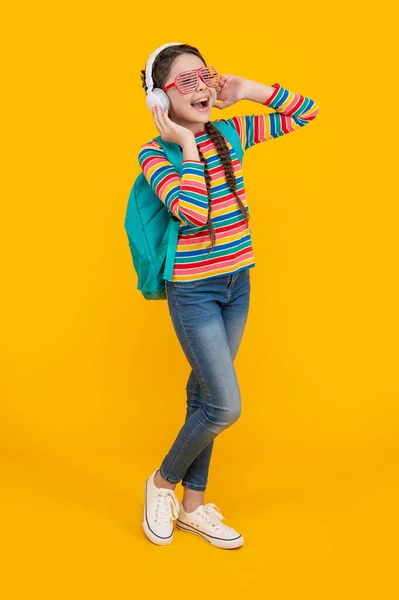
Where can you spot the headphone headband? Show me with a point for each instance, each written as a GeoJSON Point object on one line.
{"type": "Point", "coordinates": [148, 69]}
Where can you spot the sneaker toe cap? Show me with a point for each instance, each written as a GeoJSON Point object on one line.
{"type": "Point", "coordinates": [230, 534]}
{"type": "Point", "coordinates": [162, 530]}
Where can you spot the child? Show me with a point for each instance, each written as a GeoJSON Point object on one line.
{"type": "Point", "coordinates": [208, 295]}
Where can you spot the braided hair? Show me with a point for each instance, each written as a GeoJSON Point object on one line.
{"type": "Point", "coordinates": [160, 72]}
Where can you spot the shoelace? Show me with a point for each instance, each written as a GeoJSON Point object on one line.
{"type": "Point", "coordinates": [168, 506]}
{"type": "Point", "coordinates": [212, 514]}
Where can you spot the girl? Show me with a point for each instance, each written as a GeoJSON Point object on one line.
{"type": "Point", "coordinates": [208, 296]}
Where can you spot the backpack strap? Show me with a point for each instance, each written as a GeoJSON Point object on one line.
{"type": "Point", "coordinates": [230, 133]}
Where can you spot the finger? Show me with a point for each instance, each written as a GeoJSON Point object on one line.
{"type": "Point", "coordinates": [224, 104]}
{"type": "Point", "coordinates": [155, 116]}
{"type": "Point", "coordinates": [158, 122]}
{"type": "Point", "coordinates": [161, 115]}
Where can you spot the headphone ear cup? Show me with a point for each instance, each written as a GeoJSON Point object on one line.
{"type": "Point", "coordinates": [157, 96]}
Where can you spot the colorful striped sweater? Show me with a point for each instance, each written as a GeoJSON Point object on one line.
{"type": "Point", "coordinates": [187, 197]}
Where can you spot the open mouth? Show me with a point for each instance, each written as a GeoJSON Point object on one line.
{"type": "Point", "coordinates": [201, 106]}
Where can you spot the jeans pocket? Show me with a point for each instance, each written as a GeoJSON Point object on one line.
{"type": "Point", "coordinates": [182, 286]}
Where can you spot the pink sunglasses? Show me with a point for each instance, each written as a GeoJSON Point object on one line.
{"type": "Point", "coordinates": [187, 81]}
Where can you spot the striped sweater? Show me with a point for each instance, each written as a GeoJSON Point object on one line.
{"type": "Point", "coordinates": [187, 197]}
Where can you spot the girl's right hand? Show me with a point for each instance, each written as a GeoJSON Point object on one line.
{"type": "Point", "coordinates": [169, 130]}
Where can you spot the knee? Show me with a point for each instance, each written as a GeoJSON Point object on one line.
{"type": "Point", "coordinates": [233, 411]}
{"type": "Point", "coordinates": [222, 418]}
{"type": "Point", "coordinates": [233, 415]}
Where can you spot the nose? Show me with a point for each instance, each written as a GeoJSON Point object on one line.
{"type": "Point", "coordinates": [201, 85]}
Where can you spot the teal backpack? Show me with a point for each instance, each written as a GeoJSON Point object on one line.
{"type": "Point", "coordinates": [152, 229]}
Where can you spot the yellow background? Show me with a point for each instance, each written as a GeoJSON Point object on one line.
{"type": "Point", "coordinates": [92, 375]}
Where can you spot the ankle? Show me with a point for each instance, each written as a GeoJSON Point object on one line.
{"type": "Point", "coordinates": [192, 499]}
{"type": "Point", "coordinates": [190, 506]}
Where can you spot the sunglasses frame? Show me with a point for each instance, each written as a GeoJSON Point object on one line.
{"type": "Point", "coordinates": [198, 73]}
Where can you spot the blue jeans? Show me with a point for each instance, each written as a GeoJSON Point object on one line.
{"type": "Point", "coordinates": [209, 318]}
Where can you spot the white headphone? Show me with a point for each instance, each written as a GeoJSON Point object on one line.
{"type": "Point", "coordinates": [156, 95]}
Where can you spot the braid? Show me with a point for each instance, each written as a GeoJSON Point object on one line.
{"type": "Point", "coordinates": [211, 228]}
{"type": "Point", "coordinates": [224, 154]}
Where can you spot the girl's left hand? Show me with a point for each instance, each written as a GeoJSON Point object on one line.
{"type": "Point", "coordinates": [231, 89]}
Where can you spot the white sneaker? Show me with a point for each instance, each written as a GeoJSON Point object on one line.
{"type": "Point", "coordinates": [205, 521]}
{"type": "Point", "coordinates": [161, 508]}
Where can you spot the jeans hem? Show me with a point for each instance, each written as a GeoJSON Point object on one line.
{"type": "Point", "coordinates": [161, 472]}
{"type": "Point", "coordinates": [193, 486]}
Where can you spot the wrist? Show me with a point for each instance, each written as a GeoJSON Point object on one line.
{"type": "Point", "coordinates": [257, 92]}
{"type": "Point", "coordinates": [188, 139]}
{"type": "Point", "coordinates": [189, 148]}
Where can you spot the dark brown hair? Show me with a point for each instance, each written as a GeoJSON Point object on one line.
{"type": "Point", "coordinates": [160, 71]}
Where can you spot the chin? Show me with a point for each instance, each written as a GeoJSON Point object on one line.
{"type": "Point", "coordinates": [200, 116]}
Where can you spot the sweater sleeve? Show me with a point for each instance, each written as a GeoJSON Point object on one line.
{"type": "Point", "coordinates": [292, 112]}
{"type": "Point", "coordinates": [186, 197]}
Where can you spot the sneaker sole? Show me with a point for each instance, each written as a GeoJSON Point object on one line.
{"type": "Point", "coordinates": [153, 537]}
{"type": "Point", "coordinates": [225, 544]}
